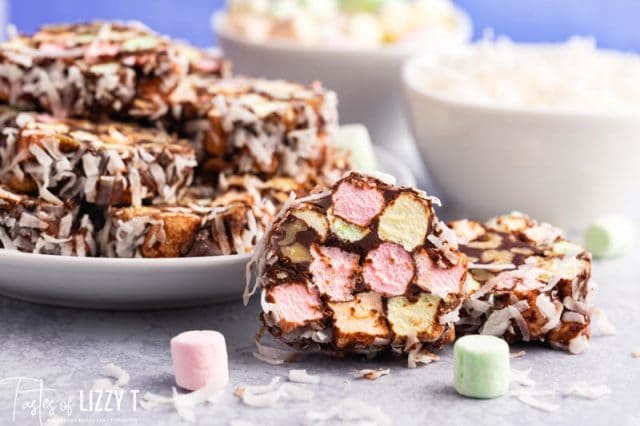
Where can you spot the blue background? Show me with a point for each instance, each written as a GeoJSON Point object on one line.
{"type": "Point", "coordinates": [614, 23]}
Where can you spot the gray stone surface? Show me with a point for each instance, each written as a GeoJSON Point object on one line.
{"type": "Point", "coordinates": [67, 348]}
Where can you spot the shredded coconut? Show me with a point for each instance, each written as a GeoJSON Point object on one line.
{"type": "Point", "coordinates": [499, 320]}
{"type": "Point", "coordinates": [370, 374]}
{"type": "Point", "coordinates": [549, 310]}
{"type": "Point", "coordinates": [546, 76]}
{"type": "Point", "coordinates": [262, 396]}
{"type": "Point", "coordinates": [416, 354]}
{"type": "Point", "coordinates": [349, 410]}
{"type": "Point", "coordinates": [521, 377]}
{"type": "Point", "coordinates": [121, 376]}
{"type": "Point", "coordinates": [185, 403]}
{"type": "Point", "coordinates": [301, 376]}
{"type": "Point", "coordinates": [587, 391]}
{"type": "Point", "coordinates": [520, 322]}
{"type": "Point", "coordinates": [534, 402]}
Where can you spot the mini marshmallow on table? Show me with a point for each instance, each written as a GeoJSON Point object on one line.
{"type": "Point", "coordinates": [481, 366]}
{"type": "Point", "coordinates": [200, 358]}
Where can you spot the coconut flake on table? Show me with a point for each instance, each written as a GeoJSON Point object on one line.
{"type": "Point", "coordinates": [301, 376]}
{"type": "Point", "coordinates": [259, 398]}
{"type": "Point", "coordinates": [370, 374]}
{"type": "Point", "coordinates": [578, 344]}
{"type": "Point", "coordinates": [185, 403]}
{"type": "Point", "coordinates": [349, 410]}
{"type": "Point", "coordinates": [587, 391]}
{"type": "Point", "coordinates": [518, 354]}
{"type": "Point", "coordinates": [262, 396]}
{"type": "Point", "coordinates": [533, 402]}
{"type": "Point", "coordinates": [418, 355]}
{"type": "Point", "coordinates": [115, 372]}
{"type": "Point", "coordinates": [151, 400]}
{"type": "Point", "coordinates": [521, 377]}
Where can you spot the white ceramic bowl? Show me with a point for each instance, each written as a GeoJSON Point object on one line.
{"type": "Point", "coordinates": [562, 167]}
{"type": "Point", "coordinates": [368, 81]}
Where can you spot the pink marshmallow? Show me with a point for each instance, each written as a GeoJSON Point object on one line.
{"type": "Point", "coordinates": [333, 272]}
{"type": "Point", "coordinates": [200, 358]}
{"type": "Point", "coordinates": [438, 281]}
{"type": "Point", "coordinates": [388, 270]}
{"type": "Point", "coordinates": [297, 305]}
{"type": "Point", "coordinates": [357, 204]}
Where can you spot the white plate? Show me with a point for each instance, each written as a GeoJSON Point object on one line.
{"type": "Point", "coordinates": [100, 283]}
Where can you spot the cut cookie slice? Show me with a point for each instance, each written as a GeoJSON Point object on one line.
{"type": "Point", "coordinates": [104, 163]}
{"type": "Point", "coordinates": [201, 224]}
{"type": "Point", "coordinates": [389, 277]}
{"type": "Point", "coordinates": [31, 225]}
{"type": "Point", "coordinates": [266, 128]}
{"type": "Point", "coordinates": [526, 282]}
{"type": "Point", "coordinates": [97, 69]}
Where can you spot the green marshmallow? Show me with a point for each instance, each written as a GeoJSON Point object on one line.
{"type": "Point", "coordinates": [347, 231]}
{"type": "Point", "coordinates": [139, 44]}
{"type": "Point", "coordinates": [355, 139]}
{"type": "Point", "coordinates": [366, 6]}
{"type": "Point", "coordinates": [481, 366]}
{"type": "Point", "coordinates": [609, 236]}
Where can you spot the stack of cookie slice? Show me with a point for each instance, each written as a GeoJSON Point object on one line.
{"type": "Point", "coordinates": [117, 141]}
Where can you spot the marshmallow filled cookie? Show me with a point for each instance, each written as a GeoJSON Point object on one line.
{"type": "Point", "coordinates": [32, 225]}
{"type": "Point", "coordinates": [204, 223]}
{"type": "Point", "coordinates": [526, 282]}
{"type": "Point", "coordinates": [99, 69]}
{"type": "Point", "coordinates": [104, 163]}
{"type": "Point", "coordinates": [364, 267]}
{"type": "Point", "coordinates": [263, 127]}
